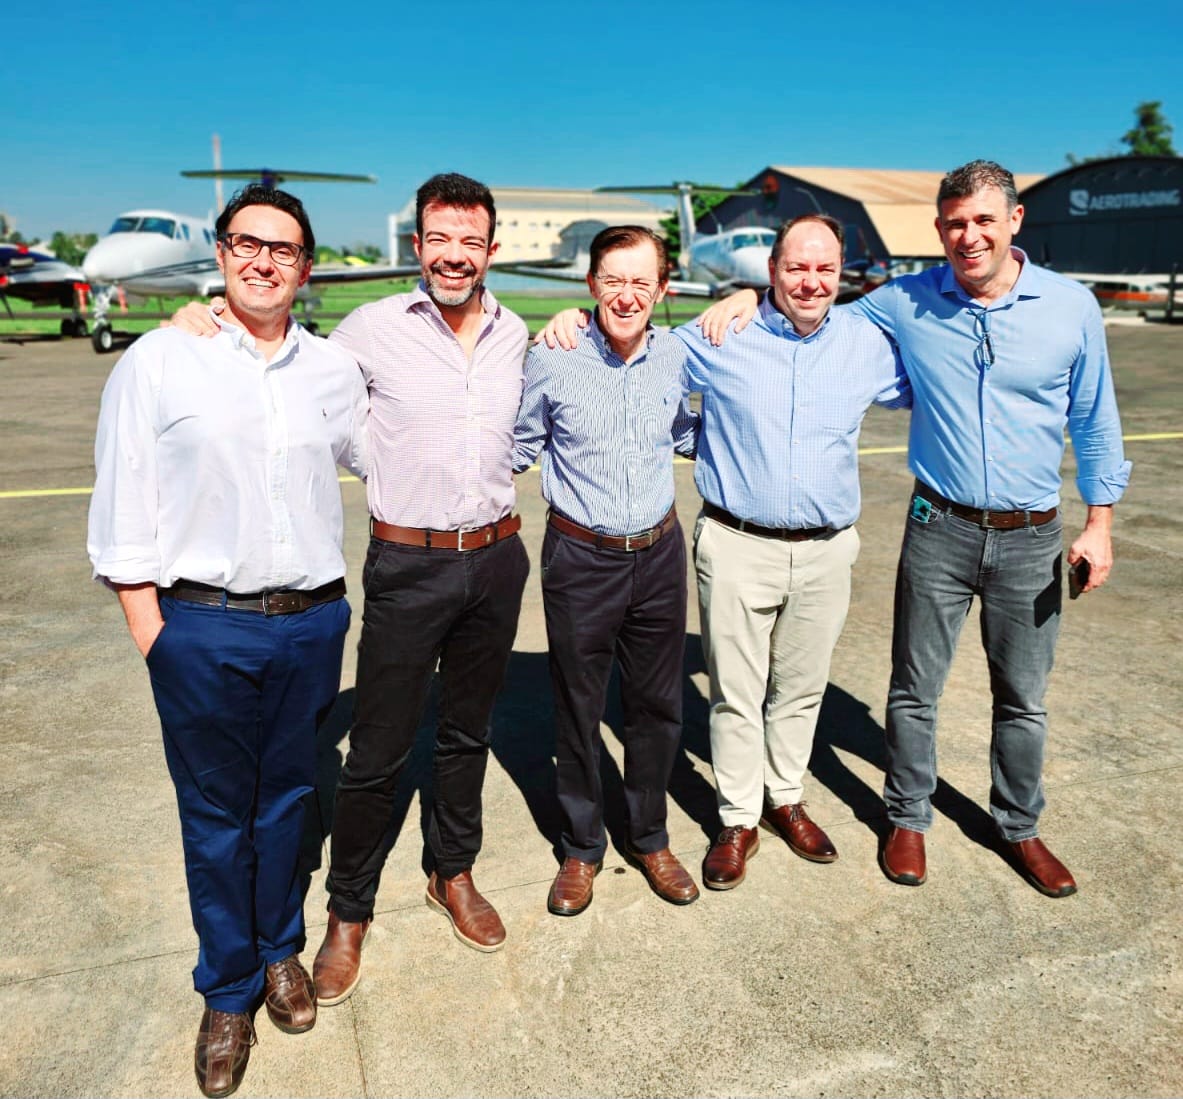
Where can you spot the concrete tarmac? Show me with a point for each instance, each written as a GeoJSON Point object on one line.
{"type": "Point", "coordinates": [806, 980]}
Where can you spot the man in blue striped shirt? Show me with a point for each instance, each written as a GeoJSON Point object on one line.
{"type": "Point", "coordinates": [607, 418]}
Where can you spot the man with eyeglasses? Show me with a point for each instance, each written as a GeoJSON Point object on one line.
{"type": "Point", "coordinates": [1001, 354]}
{"type": "Point", "coordinates": [777, 468]}
{"type": "Point", "coordinates": [217, 519]}
{"type": "Point", "coordinates": [607, 418]}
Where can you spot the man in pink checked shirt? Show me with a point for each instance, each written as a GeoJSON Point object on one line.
{"type": "Point", "coordinates": [445, 570]}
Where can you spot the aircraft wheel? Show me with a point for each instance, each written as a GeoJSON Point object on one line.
{"type": "Point", "coordinates": [312, 328]}
{"type": "Point", "coordinates": [80, 327]}
{"type": "Point", "coordinates": [102, 339]}
{"type": "Point", "coordinates": [67, 326]}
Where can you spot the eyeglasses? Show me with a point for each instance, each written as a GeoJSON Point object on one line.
{"type": "Point", "coordinates": [244, 246]}
{"type": "Point", "coordinates": [612, 285]}
{"type": "Point", "coordinates": [985, 346]}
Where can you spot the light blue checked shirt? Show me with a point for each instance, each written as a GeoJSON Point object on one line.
{"type": "Point", "coordinates": [607, 430]}
{"type": "Point", "coordinates": [992, 435]}
{"type": "Point", "coordinates": [781, 415]}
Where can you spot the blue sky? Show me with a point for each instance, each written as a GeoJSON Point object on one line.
{"type": "Point", "coordinates": [105, 104]}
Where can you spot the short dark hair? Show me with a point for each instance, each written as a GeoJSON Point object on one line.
{"type": "Point", "coordinates": [258, 194]}
{"type": "Point", "coordinates": [628, 236]}
{"type": "Point", "coordinates": [970, 178]}
{"type": "Point", "coordinates": [453, 189]}
{"type": "Point", "coordinates": [833, 224]}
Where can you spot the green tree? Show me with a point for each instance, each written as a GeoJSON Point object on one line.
{"type": "Point", "coordinates": [71, 247]}
{"type": "Point", "coordinates": [1152, 134]}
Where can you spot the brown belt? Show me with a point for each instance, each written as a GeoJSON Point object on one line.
{"type": "Point", "coordinates": [282, 601]}
{"type": "Point", "coordinates": [630, 543]}
{"type": "Point", "coordinates": [476, 538]}
{"type": "Point", "coordinates": [995, 520]}
{"type": "Point", "coordinates": [803, 534]}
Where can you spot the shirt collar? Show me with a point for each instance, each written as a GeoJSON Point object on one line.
{"type": "Point", "coordinates": [242, 340]}
{"type": "Point", "coordinates": [604, 348]}
{"type": "Point", "coordinates": [420, 297]}
{"type": "Point", "coordinates": [1026, 285]}
{"type": "Point", "coordinates": [778, 322]}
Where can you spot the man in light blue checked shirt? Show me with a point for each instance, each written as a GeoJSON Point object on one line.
{"type": "Point", "coordinates": [607, 418]}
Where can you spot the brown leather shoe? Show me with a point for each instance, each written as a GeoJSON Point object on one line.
{"type": "Point", "coordinates": [474, 920]}
{"type": "Point", "coordinates": [1042, 869]}
{"type": "Point", "coordinates": [726, 863]}
{"type": "Point", "coordinates": [571, 892]}
{"type": "Point", "coordinates": [337, 968]}
{"type": "Point", "coordinates": [223, 1049]}
{"type": "Point", "coordinates": [806, 839]}
{"type": "Point", "coordinates": [290, 996]}
{"type": "Point", "coordinates": [667, 877]}
{"type": "Point", "coordinates": [903, 857]}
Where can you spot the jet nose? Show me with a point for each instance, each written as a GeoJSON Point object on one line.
{"type": "Point", "coordinates": [122, 256]}
{"type": "Point", "coordinates": [751, 265]}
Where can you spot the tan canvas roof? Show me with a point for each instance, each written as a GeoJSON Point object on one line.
{"type": "Point", "coordinates": [900, 204]}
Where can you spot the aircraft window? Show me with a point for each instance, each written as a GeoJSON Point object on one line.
{"type": "Point", "coordinates": [157, 225]}
{"type": "Point", "coordinates": [746, 240]}
{"type": "Point", "coordinates": [125, 225]}
{"type": "Point", "coordinates": [185, 230]}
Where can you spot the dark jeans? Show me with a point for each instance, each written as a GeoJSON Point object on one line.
{"type": "Point", "coordinates": [423, 606]}
{"type": "Point", "coordinates": [240, 696]}
{"type": "Point", "coordinates": [601, 605]}
{"type": "Point", "coordinates": [944, 563]}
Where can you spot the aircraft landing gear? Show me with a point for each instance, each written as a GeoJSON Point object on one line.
{"type": "Point", "coordinates": [102, 339]}
{"type": "Point", "coordinates": [312, 328]}
{"type": "Point", "coordinates": [73, 326]}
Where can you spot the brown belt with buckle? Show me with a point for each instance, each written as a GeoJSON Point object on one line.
{"type": "Point", "coordinates": [995, 520]}
{"type": "Point", "coordinates": [477, 538]}
{"type": "Point", "coordinates": [630, 543]}
{"type": "Point", "coordinates": [802, 534]}
{"type": "Point", "coordinates": [281, 601]}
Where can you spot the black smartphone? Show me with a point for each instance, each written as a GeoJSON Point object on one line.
{"type": "Point", "coordinates": [1078, 576]}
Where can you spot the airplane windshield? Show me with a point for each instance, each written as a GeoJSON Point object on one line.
{"type": "Point", "coordinates": [752, 240]}
{"type": "Point", "coordinates": [166, 226]}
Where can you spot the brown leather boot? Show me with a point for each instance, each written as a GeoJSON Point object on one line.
{"type": "Point", "coordinates": [474, 920]}
{"type": "Point", "coordinates": [903, 857]}
{"type": "Point", "coordinates": [1042, 869]}
{"type": "Point", "coordinates": [337, 968]}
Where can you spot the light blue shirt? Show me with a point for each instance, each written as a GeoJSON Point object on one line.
{"type": "Point", "coordinates": [606, 429]}
{"type": "Point", "coordinates": [781, 415]}
{"type": "Point", "coordinates": [992, 436]}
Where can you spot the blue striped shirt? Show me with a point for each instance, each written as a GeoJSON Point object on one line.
{"type": "Point", "coordinates": [992, 435]}
{"type": "Point", "coordinates": [606, 429]}
{"type": "Point", "coordinates": [781, 415]}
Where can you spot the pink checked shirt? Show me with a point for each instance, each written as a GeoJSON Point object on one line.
{"type": "Point", "coordinates": [441, 427]}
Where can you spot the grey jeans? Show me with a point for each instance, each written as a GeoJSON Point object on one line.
{"type": "Point", "coordinates": [1016, 574]}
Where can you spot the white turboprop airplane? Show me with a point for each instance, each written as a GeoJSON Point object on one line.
{"type": "Point", "coordinates": [150, 253]}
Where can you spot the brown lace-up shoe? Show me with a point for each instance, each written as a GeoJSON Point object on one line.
{"type": "Point", "coordinates": [474, 920]}
{"type": "Point", "coordinates": [290, 996]}
{"type": "Point", "coordinates": [571, 892]}
{"type": "Point", "coordinates": [903, 857]}
{"type": "Point", "coordinates": [1042, 869]}
{"type": "Point", "coordinates": [726, 863]}
{"type": "Point", "coordinates": [337, 968]}
{"type": "Point", "coordinates": [805, 838]}
{"type": "Point", "coordinates": [667, 877]}
{"type": "Point", "coordinates": [223, 1048]}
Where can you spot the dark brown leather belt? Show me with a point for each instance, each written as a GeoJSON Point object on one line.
{"type": "Point", "coordinates": [785, 535]}
{"type": "Point", "coordinates": [995, 520]}
{"type": "Point", "coordinates": [630, 543]}
{"type": "Point", "coordinates": [283, 601]}
{"type": "Point", "coordinates": [477, 538]}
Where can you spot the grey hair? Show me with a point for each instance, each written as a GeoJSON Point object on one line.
{"type": "Point", "coordinates": [970, 178]}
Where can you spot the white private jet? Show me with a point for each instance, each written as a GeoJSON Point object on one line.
{"type": "Point", "coordinates": [150, 253]}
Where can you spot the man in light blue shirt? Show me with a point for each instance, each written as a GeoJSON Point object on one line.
{"type": "Point", "coordinates": [607, 418]}
{"type": "Point", "coordinates": [1001, 355]}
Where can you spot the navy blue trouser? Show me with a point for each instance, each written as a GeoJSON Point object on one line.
{"type": "Point", "coordinates": [603, 605]}
{"type": "Point", "coordinates": [240, 696]}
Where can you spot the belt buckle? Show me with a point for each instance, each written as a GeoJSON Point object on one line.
{"type": "Point", "coordinates": [486, 533]}
{"type": "Point", "coordinates": [280, 602]}
{"type": "Point", "coordinates": [638, 541]}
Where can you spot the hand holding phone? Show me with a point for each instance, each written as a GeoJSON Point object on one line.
{"type": "Point", "coordinates": [1078, 577]}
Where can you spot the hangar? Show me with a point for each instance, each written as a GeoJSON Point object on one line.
{"type": "Point", "coordinates": [888, 213]}
{"type": "Point", "coordinates": [1123, 215]}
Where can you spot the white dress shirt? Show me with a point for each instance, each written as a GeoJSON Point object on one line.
{"type": "Point", "coordinates": [217, 466]}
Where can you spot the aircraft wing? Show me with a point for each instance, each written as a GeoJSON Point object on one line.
{"type": "Point", "coordinates": [323, 276]}
{"type": "Point", "coordinates": [563, 271]}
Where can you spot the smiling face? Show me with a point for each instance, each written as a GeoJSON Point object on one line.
{"type": "Point", "coordinates": [805, 274]}
{"type": "Point", "coordinates": [976, 232]}
{"type": "Point", "coordinates": [626, 287]}
{"type": "Point", "coordinates": [260, 291]}
{"type": "Point", "coordinates": [454, 252]}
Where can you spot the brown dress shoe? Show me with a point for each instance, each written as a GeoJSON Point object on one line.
{"type": "Point", "coordinates": [726, 863]}
{"type": "Point", "coordinates": [474, 920]}
{"type": "Point", "coordinates": [571, 892]}
{"type": "Point", "coordinates": [290, 996]}
{"type": "Point", "coordinates": [337, 968]}
{"type": "Point", "coordinates": [1042, 869]}
{"type": "Point", "coordinates": [903, 857]}
{"type": "Point", "coordinates": [805, 838]}
{"type": "Point", "coordinates": [667, 877]}
{"type": "Point", "coordinates": [223, 1049]}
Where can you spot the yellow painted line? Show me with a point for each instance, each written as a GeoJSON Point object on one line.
{"type": "Point", "coordinates": [36, 493]}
